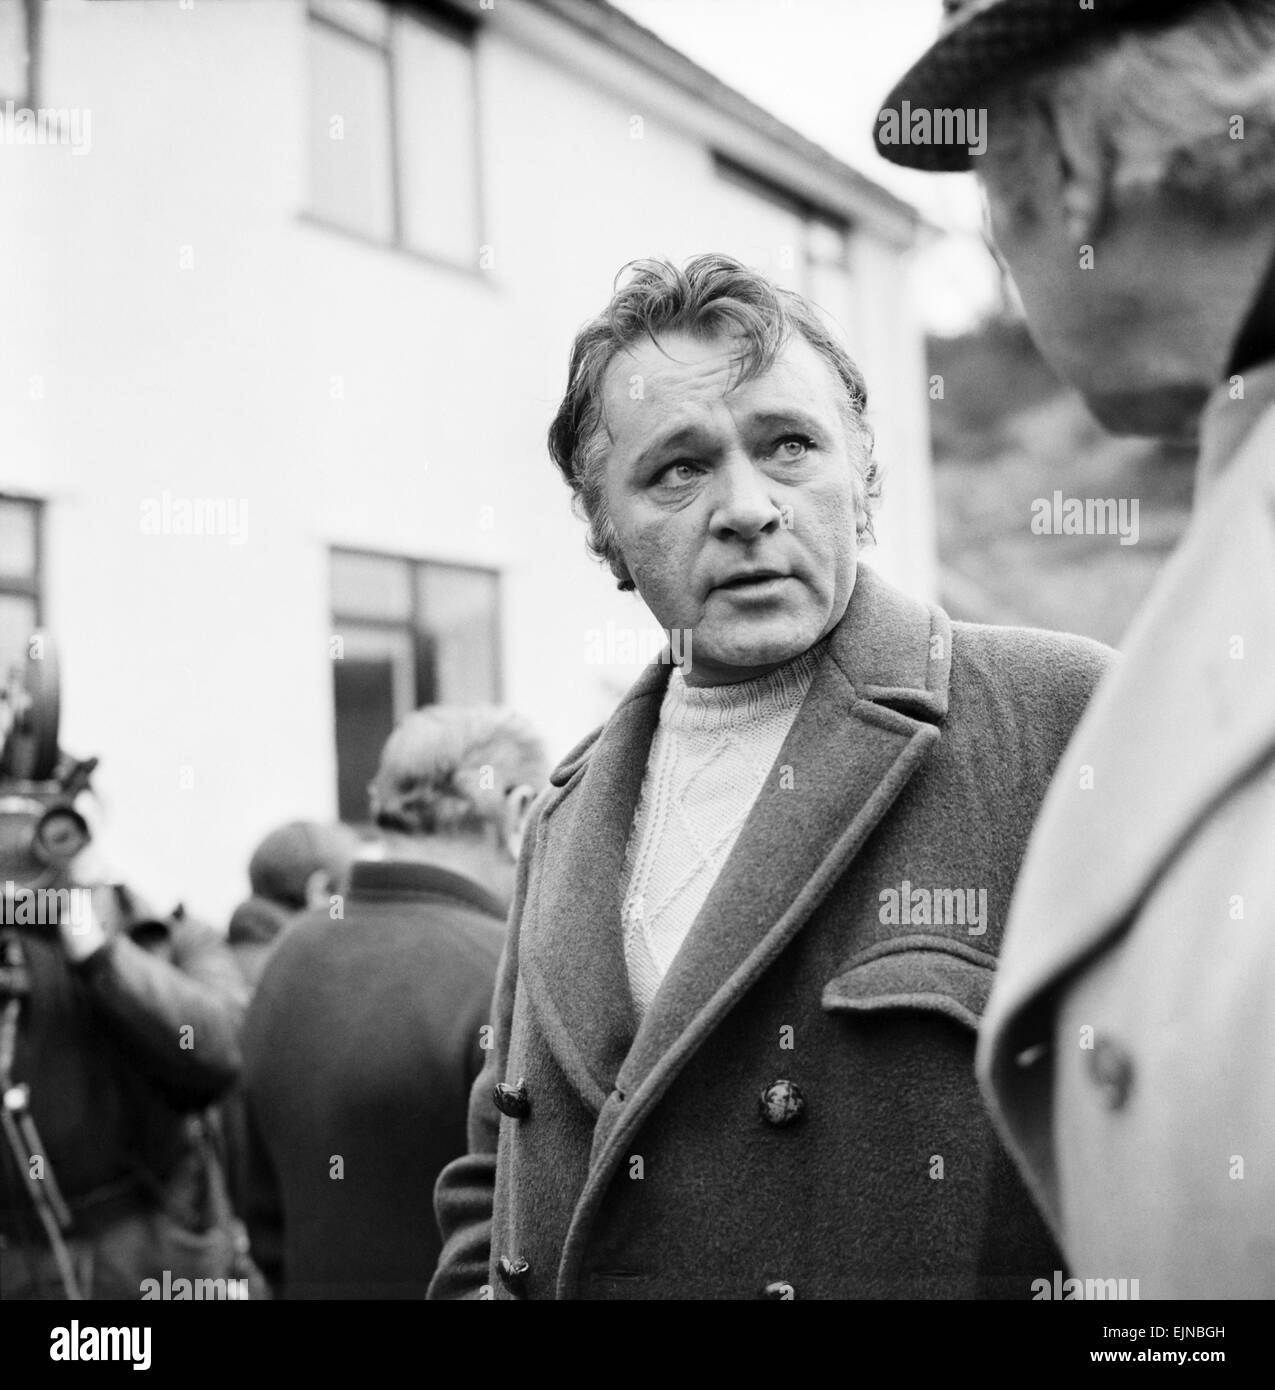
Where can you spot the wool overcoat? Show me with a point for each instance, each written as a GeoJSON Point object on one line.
{"type": "Point", "coordinates": [796, 1114]}
{"type": "Point", "coordinates": [1129, 1051]}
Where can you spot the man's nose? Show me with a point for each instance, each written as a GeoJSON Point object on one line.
{"type": "Point", "coordinates": [742, 503]}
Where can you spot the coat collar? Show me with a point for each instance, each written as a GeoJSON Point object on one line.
{"type": "Point", "coordinates": [866, 723]}
{"type": "Point", "coordinates": [371, 879]}
{"type": "Point", "coordinates": [1182, 719]}
{"type": "Point", "coordinates": [892, 648]}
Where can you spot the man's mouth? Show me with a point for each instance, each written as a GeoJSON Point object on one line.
{"type": "Point", "coordinates": [748, 581]}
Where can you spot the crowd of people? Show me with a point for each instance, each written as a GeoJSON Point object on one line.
{"type": "Point", "coordinates": [184, 1089]}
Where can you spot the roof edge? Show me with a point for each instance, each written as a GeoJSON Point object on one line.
{"type": "Point", "coordinates": [606, 24]}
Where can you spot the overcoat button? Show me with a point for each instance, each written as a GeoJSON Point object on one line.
{"type": "Point", "coordinates": [779, 1291]}
{"type": "Point", "coordinates": [513, 1273]}
{"type": "Point", "coordinates": [782, 1103]}
{"type": "Point", "coordinates": [512, 1100]}
{"type": "Point", "coordinates": [1111, 1069]}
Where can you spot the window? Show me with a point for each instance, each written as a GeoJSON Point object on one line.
{"type": "Point", "coordinates": [351, 180]}
{"type": "Point", "coordinates": [828, 266]}
{"type": "Point", "coordinates": [412, 633]}
{"type": "Point", "coordinates": [17, 25]}
{"type": "Point", "coordinates": [798, 245]}
{"type": "Point", "coordinates": [393, 129]}
{"type": "Point", "coordinates": [19, 579]}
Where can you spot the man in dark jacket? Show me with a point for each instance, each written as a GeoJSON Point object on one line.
{"type": "Point", "coordinates": [124, 1028]}
{"type": "Point", "coordinates": [368, 1029]}
{"type": "Point", "coordinates": [758, 913]}
{"type": "Point", "coordinates": [296, 867]}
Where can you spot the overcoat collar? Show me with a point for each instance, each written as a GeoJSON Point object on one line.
{"type": "Point", "coordinates": [868, 720]}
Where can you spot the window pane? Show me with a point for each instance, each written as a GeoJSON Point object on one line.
{"type": "Point", "coordinates": [435, 95]}
{"type": "Point", "coordinates": [374, 687]}
{"type": "Point", "coordinates": [17, 623]}
{"type": "Point", "coordinates": [371, 586]}
{"type": "Point", "coordinates": [13, 50]}
{"type": "Point", "coordinates": [366, 17]}
{"type": "Point", "coordinates": [17, 541]}
{"type": "Point", "coordinates": [758, 227]}
{"type": "Point", "coordinates": [461, 621]}
{"type": "Point", "coordinates": [351, 182]}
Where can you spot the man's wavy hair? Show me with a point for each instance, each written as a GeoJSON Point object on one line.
{"type": "Point", "coordinates": [711, 295]}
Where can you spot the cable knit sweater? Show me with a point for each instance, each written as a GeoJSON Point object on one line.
{"type": "Point", "coordinates": [710, 756]}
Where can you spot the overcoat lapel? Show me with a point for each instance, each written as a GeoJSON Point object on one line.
{"type": "Point", "coordinates": [864, 728]}
{"type": "Point", "coordinates": [849, 753]}
{"type": "Point", "coordinates": [571, 950]}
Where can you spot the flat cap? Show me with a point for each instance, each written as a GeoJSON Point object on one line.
{"type": "Point", "coordinates": [981, 43]}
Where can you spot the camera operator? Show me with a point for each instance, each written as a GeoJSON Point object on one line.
{"type": "Point", "coordinates": [119, 1028]}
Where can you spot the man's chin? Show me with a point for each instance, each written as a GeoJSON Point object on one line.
{"type": "Point", "coordinates": [727, 657]}
{"type": "Point", "coordinates": [1170, 413]}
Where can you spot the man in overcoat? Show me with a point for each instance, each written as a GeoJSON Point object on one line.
{"type": "Point", "coordinates": [1127, 1051]}
{"type": "Point", "coordinates": [757, 913]}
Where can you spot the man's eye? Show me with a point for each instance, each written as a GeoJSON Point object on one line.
{"type": "Point", "coordinates": [792, 447]}
{"type": "Point", "coordinates": [679, 471]}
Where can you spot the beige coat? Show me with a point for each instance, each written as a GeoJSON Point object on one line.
{"type": "Point", "coordinates": [1128, 1050]}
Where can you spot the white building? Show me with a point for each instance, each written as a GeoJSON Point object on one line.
{"type": "Point", "coordinates": [289, 291]}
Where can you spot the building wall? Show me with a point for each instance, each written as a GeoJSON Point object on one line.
{"type": "Point", "coordinates": [177, 325]}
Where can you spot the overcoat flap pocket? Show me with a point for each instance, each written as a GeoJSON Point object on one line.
{"type": "Point", "coordinates": [914, 972]}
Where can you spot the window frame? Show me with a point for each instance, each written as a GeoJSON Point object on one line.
{"type": "Point", "coordinates": [731, 171]}
{"type": "Point", "coordinates": [28, 98]}
{"type": "Point", "coordinates": [423, 685]}
{"type": "Point", "coordinates": [11, 584]}
{"type": "Point", "coordinates": [452, 23]}
{"type": "Point", "coordinates": [422, 677]}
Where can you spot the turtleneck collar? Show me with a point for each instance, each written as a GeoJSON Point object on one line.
{"type": "Point", "coordinates": [690, 708]}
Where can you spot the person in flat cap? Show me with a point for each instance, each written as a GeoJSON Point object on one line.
{"type": "Point", "coordinates": [1127, 1052]}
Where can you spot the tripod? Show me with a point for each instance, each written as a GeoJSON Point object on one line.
{"type": "Point", "coordinates": [15, 1115]}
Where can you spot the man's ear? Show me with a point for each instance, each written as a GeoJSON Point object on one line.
{"type": "Point", "coordinates": [623, 579]}
{"type": "Point", "coordinates": [1084, 172]}
{"type": "Point", "coordinates": [514, 824]}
